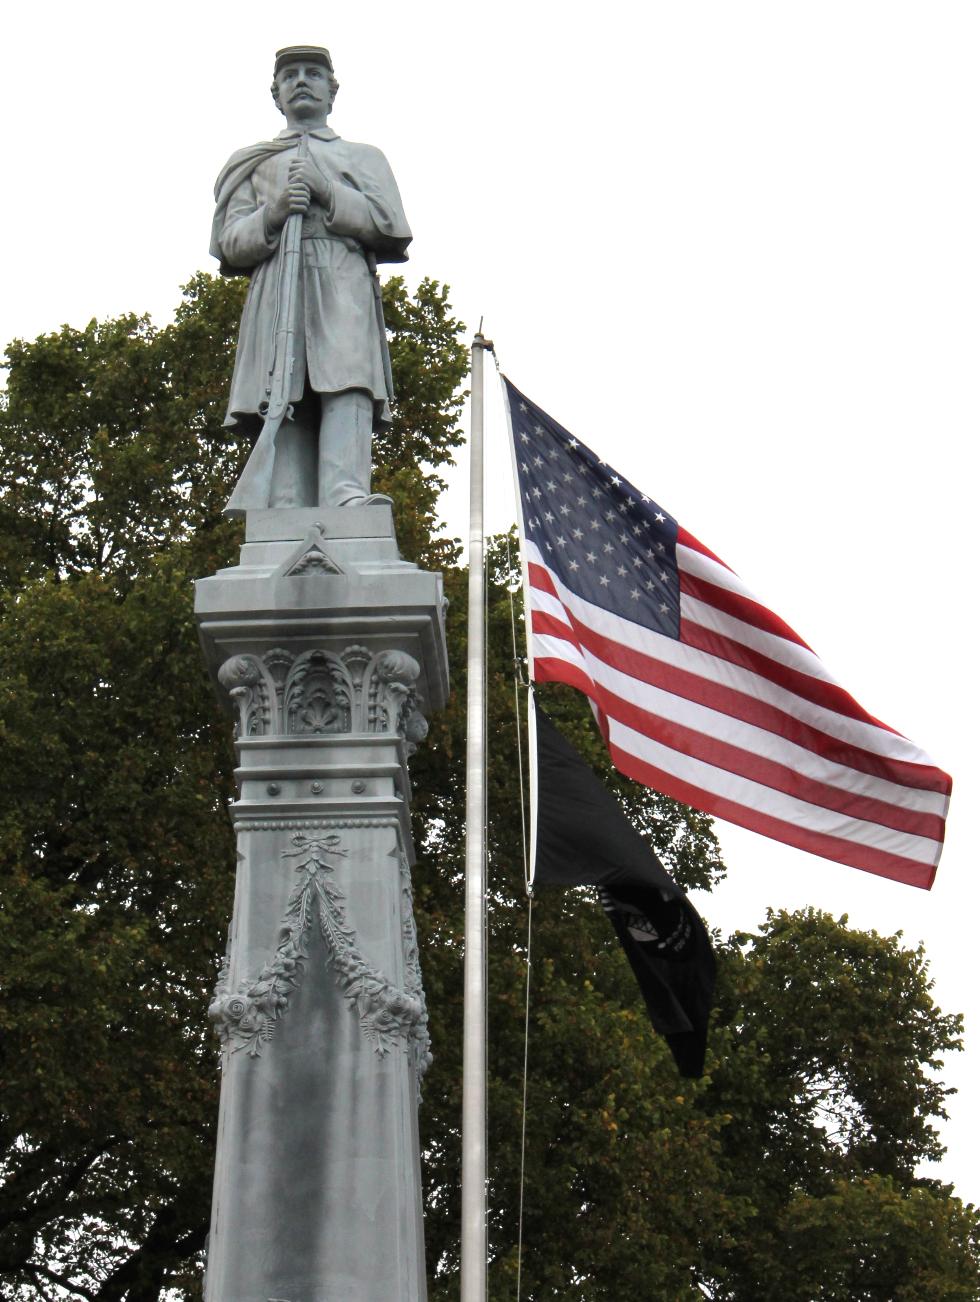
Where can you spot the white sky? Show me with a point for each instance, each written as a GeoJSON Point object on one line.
{"type": "Point", "coordinates": [732, 246]}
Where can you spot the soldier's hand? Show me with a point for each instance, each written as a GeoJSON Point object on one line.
{"type": "Point", "coordinates": [299, 196]}
{"type": "Point", "coordinates": [294, 198]}
{"type": "Point", "coordinates": [305, 171]}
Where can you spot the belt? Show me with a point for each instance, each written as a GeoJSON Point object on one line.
{"type": "Point", "coordinates": [315, 228]}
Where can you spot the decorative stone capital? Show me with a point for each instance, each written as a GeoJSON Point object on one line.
{"type": "Point", "coordinates": [320, 692]}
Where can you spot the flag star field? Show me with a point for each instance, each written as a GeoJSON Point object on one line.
{"type": "Point", "coordinates": [608, 543]}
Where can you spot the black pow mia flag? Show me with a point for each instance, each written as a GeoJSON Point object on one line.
{"type": "Point", "coordinates": [585, 839]}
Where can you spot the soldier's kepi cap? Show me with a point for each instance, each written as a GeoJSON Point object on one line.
{"type": "Point", "coordinates": [303, 53]}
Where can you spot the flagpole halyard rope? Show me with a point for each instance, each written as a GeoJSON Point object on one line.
{"type": "Point", "coordinates": [529, 889]}
{"type": "Point", "coordinates": [518, 684]}
{"type": "Point", "coordinates": [527, 1038]}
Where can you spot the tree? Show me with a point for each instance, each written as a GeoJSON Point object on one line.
{"type": "Point", "coordinates": [116, 868]}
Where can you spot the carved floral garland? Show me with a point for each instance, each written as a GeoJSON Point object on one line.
{"type": "Point", "coordinates": [388, 1015]}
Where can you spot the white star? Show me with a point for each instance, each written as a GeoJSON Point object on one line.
{"type": "Point", "coordinates": [593, 524]}
{"type": "Point", "coordinates": [523, 406]}
{"type": "Point", "coordinates": [549, 547]}
{"type": "Point", "coordinates": [549, 517]}
{"type": "Point", "coordinates": [580, 500]}
{"type": "Point", "coordinates": [649, 584]}
{"type": "Point", "coordinates": [564, 508]}
{"type": "Point", "coordinates": [525, 437]}
{"type": "Point", "coordinates": [603, 580]}
{"type": "Point", "coordinates": [637, 528]}
{"type": "Point", "coordinates": [552, 452]}
{"type": "Point", "coordinates": [637, 560]}
{"type": "Point", "coordinates": [607, 548]}
{"type": "Point", "coordinates": [573, 443]}
{"type": "Point", "coordinates": [597, 492]}
{"type": "Point", "coordinates": [661, 547]}
{"type": "Point", "coordinates": [577, 534]}
{"type": "Point", "coordinates": [630, 502]}
{"type": "Point", "coordinates": [538, 461]}
{"type": "Point", "coordinates": [562, 542]}
{"type": "Point", "coordinates": [624, 537]}
{"type": "Point", "coordinates": [535, 493]}
{"type": "Point", "coordinates": [573, 565]}
{"type": "Point", "coordinates": [539, 429]}
{"type": "Point", "coordinates": [645, 499]}
{"type": "Point", "coordinates": [551, 485]}
{"type": "Point", "coordinates": [664, 608]}
{"type": "Point", "coordinates": [660, 517]}
{"type": "Point", "coordinates": [635, 594]}
{"type": "Point", "coordinates": [590, 557]}
{"type": "Point", "coordinates": [567, 478]}
{"type": "Point", "coordinates": [613, 479]}
{"type": "Point", "coordinates": [621, 571]}
{"type": "Point", "coordinates": [663, 576]}
{"type": "Point", "coordinates": [525, 467]}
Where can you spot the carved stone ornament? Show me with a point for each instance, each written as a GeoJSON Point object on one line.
{"type": "Point", "coordinates": [243, 679]}
{"type": "Point", "coordinates": [312, 557]}
{"type": "Point", "coordinates": [320, 692]}
{"type": "Point", "coordinates": [389, 1015]}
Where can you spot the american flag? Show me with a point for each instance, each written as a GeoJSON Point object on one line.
{"type": "Point", "coordinates": [701, 692]}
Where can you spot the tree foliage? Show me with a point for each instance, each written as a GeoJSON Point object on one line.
{"type": "Point", "coordinates": [787, 1172]}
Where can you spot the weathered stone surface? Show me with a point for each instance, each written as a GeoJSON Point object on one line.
{"type": "Point", "coordinates": [328, 651]}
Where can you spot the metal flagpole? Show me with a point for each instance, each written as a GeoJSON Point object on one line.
{"type": "Point", "coordinates": [473, 1271]}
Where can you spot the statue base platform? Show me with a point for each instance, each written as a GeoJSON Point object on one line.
{"type": "Point", "coordinates": [329, 650]}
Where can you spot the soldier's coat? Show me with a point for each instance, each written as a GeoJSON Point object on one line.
{"type": "Point", "coordinates": [340, 345]}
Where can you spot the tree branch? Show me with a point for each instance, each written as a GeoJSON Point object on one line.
{"type": "Point", "coordinates": [62, 1282]}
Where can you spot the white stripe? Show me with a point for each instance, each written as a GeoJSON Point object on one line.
{"type": "Point", "coordinates": [703, 567]}
{"type": "Point", "coordinates": [777, 648]}
{"type": "Point", "coordinates": [549, 604]}
{"type": "Point", "coordinates": [555, 648]}
{"type": "Point", "coordinates": [758, 799]}
{"type": "Point", "coordinates": [758, 741]}
{"type": "Point", "coordinates": [714, 669]}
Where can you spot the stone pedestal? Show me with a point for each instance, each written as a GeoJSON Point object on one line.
{"type": "Point", "coordinates": [329, 650]}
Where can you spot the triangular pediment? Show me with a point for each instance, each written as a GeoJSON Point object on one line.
{"type": "Point", "coordinates": [310, 558]}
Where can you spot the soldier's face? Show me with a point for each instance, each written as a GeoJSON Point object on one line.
{"type": "Point", "coordinates": [304, 91]}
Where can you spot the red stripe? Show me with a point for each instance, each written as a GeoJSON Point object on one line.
{"type": "Point", "coordinates": [740, 705]}
{"type": "Point", "coordinates": [540, 577]}
{"type": "Point", "coordinates": [895, 867]}
{"type": "Point", "coordinates": [741, 607]}
{"type": "Point", "coordinates": [759, 768]}
{"type": "Point", "coordinates": [865, 857]}
{"type": "Point", "coordinates": [827, 695]}
{"type": "Point", "coordinates": [685, 539]}
{"type": "Point", "coordinates": [815, 690]}
{"type": "Point", "coordinates": [551, 670]}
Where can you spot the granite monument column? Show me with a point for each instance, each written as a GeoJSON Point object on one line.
{"type": "Point", "coordinates": [328, 650]}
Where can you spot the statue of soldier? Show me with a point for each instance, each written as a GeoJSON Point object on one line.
{"type": "Point", "coordinates": [339, 382]}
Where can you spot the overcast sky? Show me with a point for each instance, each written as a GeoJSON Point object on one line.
{"type": "Point", "coordinates": [732, 246]}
